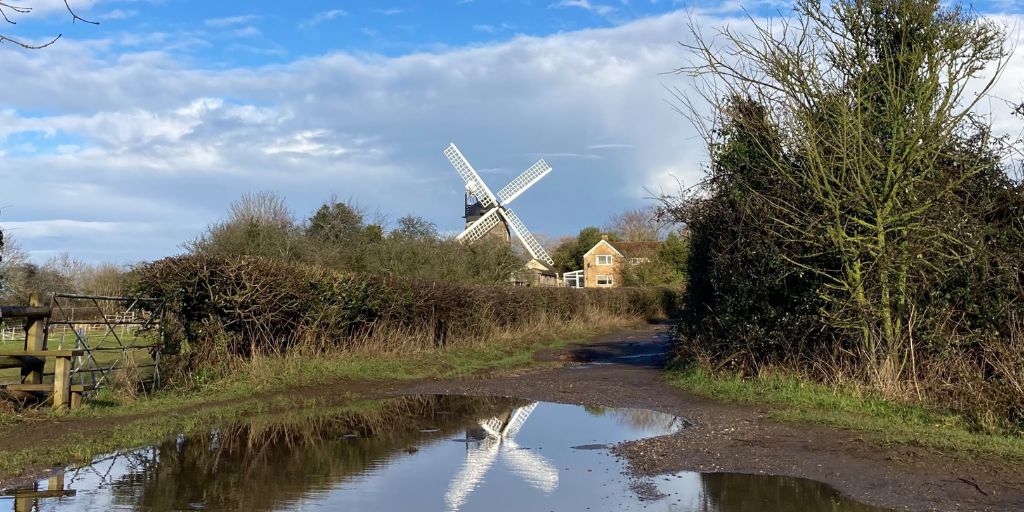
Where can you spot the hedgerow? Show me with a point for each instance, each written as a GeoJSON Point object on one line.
{"type": "Point", "coordinates": [254, 304]}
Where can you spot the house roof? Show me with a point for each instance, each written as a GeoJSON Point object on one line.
{"type": "Point", "coordinates": [538, 266]}
{"type": "Point", "coordinates": [638, 249]}
{"type": "Point", "coordinates": [605, 242]}
{"type": "Point", "coordinates": [629, 249]}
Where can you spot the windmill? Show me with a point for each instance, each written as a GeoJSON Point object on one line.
{"type": "Point", "coordinates": [499, 439]}
{"type": "Point", "coordinates": [489, 210]}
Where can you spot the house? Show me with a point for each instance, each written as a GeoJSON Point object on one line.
{"type": "Point", "coordinates": [604, 263]}
{"type": "Point", "coordinates": [535, 273]}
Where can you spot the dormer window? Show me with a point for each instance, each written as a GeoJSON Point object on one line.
{"type": "Point", "coordinates": [604, 259]}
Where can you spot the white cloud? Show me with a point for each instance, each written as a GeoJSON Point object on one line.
{"type": "Point", "coordinates": [117, 14]}
{"type": "Point", "coordinates": [57, 7]}
{"type": "Point", "coordinates": [249, 31]}
{"type": "Point", "coordinates": [585, 5]}
{"type": "Point", "coordinates": [148, 137]}
{"type": "Point", "coordinates": [230, 21]}
{"type": "Point", "coordinates": [491, 29]}
{"type": "Point", "coordinates": [29, 230]}
{"type": "Point", "coordinates": [322, 17]}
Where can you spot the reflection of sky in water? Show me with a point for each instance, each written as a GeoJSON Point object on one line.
{"type": "Point", "coordinates": [534, 467]}
{"type": "Point", "coordinates": [421, 481]}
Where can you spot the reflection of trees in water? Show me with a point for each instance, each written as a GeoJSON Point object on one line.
{"type": "Point", "coordinates": [642, 419]}
{"type": "Point", "coordinates": [639, 419]}
{"type": "Point", "coordinates": [725, 492]}
{"type": "Point", "coordinates": [268, 463]}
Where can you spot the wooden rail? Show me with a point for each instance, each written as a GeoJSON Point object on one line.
{"type": "Point", "coordinates": [32, 359]}
{"type": "Point", "coordinates": [31, 312]}
{"type": "Point", "coordinates": [28, 500]}
{"type": "Point", "coordinates": [32, 362]}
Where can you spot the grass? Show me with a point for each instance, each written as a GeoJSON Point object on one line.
{"type": "Point", "coordinates": [83, 446]}
{"type": "Point", "coordinates": [879, 420]}
{"type": "Point", "coordinates": [270, 374]}
{"type": "Point", "coordinates": [224, 398]}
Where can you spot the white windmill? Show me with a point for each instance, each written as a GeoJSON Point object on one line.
{"type": "Point", "coordinates": [536, 470]}
{"type": "Point", "coordinates": [492, 209]}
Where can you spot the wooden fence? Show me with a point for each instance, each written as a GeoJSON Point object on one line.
{"type": "Point", "coordinates": [87, 338]}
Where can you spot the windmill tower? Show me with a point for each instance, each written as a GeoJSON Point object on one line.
{"type": "Point", "coordinates": [475, 210]}
{"type": "Point", "coordinates": [489, 215]}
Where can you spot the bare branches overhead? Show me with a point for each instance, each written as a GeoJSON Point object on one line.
{"type": "Point", "coordinates": [10, 11]}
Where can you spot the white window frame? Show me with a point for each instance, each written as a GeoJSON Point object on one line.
{"type": "Point", "coordinates": [608, 277]}
{"type": "Point", "coordinates": [598, 258]}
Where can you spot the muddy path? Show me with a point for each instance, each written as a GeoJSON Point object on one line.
{"type": "Point", "coordinates": [624, 370]}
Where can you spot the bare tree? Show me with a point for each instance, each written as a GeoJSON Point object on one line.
{"type": "Point", "coordinates": [9, 11]}
{"type": "Point", "coordinates": [866, 99]}
{"type": "Point", "coordinates": [638, 225]}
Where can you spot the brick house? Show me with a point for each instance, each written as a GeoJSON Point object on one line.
{"type": "Point", "coordinates": [603, 264]}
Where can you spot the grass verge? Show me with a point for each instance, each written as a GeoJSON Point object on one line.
{"type": "Point", "coordinates": [269, 374]}
{"type": "Point", "coordinates": [879, 420]}
{"type": "Point", "coordinates": [204, 405]}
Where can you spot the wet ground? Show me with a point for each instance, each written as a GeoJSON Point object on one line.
{"type": "Point", "coordinates": [625, 370]}
{"type": "Point", "coordinates": [443, 453]}
{"type": "Point", "coordinates": [722, 448]}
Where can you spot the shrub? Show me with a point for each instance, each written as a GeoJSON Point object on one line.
{"type": "Point", "coordinates": [857, 221]}
{"type": "Point", "coordinates": [251, 304]}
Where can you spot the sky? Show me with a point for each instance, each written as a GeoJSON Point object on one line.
{"type": "Point", "coordinates": [123, 140]}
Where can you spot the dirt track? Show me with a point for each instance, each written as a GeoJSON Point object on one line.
{"type": "Point", "coordinates": [623, 370]}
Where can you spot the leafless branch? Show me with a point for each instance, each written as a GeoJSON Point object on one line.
{"type": "Point", "coordinates": [8, 10]}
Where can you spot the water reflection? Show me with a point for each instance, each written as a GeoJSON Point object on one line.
{"type": "Point", "coordinates": [400, 455]}
{"type": "Point", "coordinates": [496, 436]}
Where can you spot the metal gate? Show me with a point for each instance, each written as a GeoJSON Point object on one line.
{"type": "Point", "coordinates": [121, 337]}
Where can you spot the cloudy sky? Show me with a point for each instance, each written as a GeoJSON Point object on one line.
{"type": "Point", "coordinates": [123, 140]}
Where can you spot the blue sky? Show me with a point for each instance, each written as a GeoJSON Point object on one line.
{"type": "Point", "coordinates": [126, 139]}
{"type": "Point", "coordinates": [260, 31]}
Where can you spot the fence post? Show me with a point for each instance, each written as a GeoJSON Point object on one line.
{"type": "Point", "coordinates": [62, 383]}
{"type": "Point", "coordinates": [35, 339]}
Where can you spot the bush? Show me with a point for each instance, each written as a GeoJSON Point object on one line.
{"type": "Point", "coordinates": [857, 222]}
{"type": "Point", "coordinates": [250, 304]}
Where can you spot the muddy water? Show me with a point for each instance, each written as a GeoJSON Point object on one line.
{"type": "Point", "coordinates": [419, 453]}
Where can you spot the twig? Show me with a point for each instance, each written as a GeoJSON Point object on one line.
{"type": "Point", "coordinates": [27, 46]}
{"type": "Point", "coordinates": [974, 484]}
{"type": "Point", "coordinates": [5, 6]}
{"type": "Point", "coordinates": [75, 17]}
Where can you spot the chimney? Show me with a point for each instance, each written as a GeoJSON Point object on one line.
{"type": "Point", "coordinates": [604, 237]}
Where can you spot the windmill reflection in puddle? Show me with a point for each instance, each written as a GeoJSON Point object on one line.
{"type": "Point", "coordinates": [494, 438]}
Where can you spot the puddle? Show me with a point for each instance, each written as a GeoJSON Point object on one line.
{"type": "Point", "coordinates": [431, 453]}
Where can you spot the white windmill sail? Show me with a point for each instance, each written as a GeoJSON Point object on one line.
{"type": "Point", "coordinates": [481, 227]}
{"type": "Point", "coordinates": [532, 245]}
{"type": "Point", "coordinates": [473, 181]}
{"type": "Point", "coordinates": [498, 205]}
{"type": "Point", "coordinates": [537, 471]}
{"type": "Point", "coordinates": [517, 420]}
{"type": "Point", "coordinates": [533, 468]}
{"type": "Point", "coordinates": [478, 462]}
{"type": "Point", "coordinates": [523, 182]}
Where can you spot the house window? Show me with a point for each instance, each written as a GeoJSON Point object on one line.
{"type": "Point", "coordinates": [604, 259]}
{"type": "Point", "coordinates": [604, 280]}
